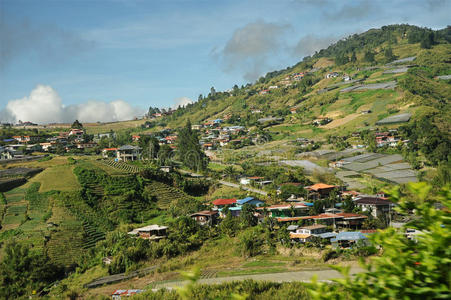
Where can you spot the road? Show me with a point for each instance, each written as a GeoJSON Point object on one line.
{"type": "Point", "coordinates": [227, 183]}
{"type": "Point", "coordinates": [231, 184]}
{"type": "Point", "coordinates": [304, 276]}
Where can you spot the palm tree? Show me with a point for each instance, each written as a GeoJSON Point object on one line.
{"type": "Point", "coordinates": [229, 171]}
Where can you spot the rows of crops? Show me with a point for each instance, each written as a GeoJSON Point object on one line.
{"type": "Point", "coordinates": [122, 166]}
{"type": "Point", "coordinates": [165, 194]}
{"type": "Point", "coordinates": [66, 244]}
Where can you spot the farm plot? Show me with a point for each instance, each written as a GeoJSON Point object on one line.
{"type": "Point", "coordinates": [122, 166]}
{"type": "Point", "coordinates": [14, 216]}
{"type": "Point", "coordinates": [385, 167]}
{"type": "Point", "coordinates": [57, 178]}
{"type": "Point", "coordinates": [165, 194]}
{"type": "Point", "coordinates": [18, 172]}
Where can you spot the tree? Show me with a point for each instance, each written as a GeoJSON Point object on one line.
{"type": "Point", "coordinates": [369, 56]}
{"type": "Point", "coordinates": [189, 151]}
{"type": "Point", "coordinates": [22, 271]}
{"type": "Point", "coordinates": [348, 205]}
{"type": "Point", "coordinates": [165, 155]}
{"type": "Point", "coordinates": [388, 53]}
{"type": "Point", "coordinates": [77, 125]}
{"type": "Point", "coordinates": [247, 215]}
{"type": "Point", "coordinates": [229, 171]}
{"type": "Point", "coordinates": [229, 225]}
{"type": "Point", "coordinates": [353, 57]}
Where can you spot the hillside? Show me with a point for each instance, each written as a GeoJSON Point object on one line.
{"type": "Point", "coordinates": [365, 115]}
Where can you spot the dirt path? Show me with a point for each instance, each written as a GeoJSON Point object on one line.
{"type": "Point", "coordinates": [342, 121]}
{"type": "Point", "coordinates": [323, 275]}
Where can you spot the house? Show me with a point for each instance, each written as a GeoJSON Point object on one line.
{"type": "Point", "coordinates": [263, 92]}
{"type": "Point", "coordinates": [118, 294]}
{"type": "Point", "coordinates": [293, 110]}
{"type": "Point", "coordinates": [248, 180]}
{"type": "Point", "coordinates": [286, 210]}
{"type": "Point", "coordinates": [76, 132]}
{"type": "Point", "coordinates": [348, 239]}
{"type": "Point", "coordinates": [86, 145]}
{"type": "Point", "coordinates": [249, 200]}
{"type": "Point", "coordinates": [107, 260]}
{"type": "Point", "coordinates": [46, 146]}
{"type": "Point", "coordinates": [272, 87]}
{"type": "Point", "coordinates": [6, 154]}
{"type": "Point", "coordinates": [330, 219]}
{"type": "Point", "coordinates": [378, 206]}
{"type": "Point", "coordinates": [205, 217]}
{"type": "Point", "coordinates": [128, 153]}
{"type": "Point", "coordinates": [109, 152]}
{"type": "Point", "coordinates": [350, 220]}
{"type": "Point", "coordinates": [300, 237]}
{"type": "Point", "coordinates": [347, 78]}
{"type": "Point", "coordinates": [312, 230]}
{"type": "Point", "coordinates": [320, 190]}
{"type": "Point", "coordinates": [151, 232]}
{"type": "Point", "coordinates": [136, 138]}
{"type": "Point", "coordinates": [332, 75]}
{"type": "Point", "coordinates": [292, 228]}
{"type": "Point", "coordinates": [221, 203]}
{"type": "Point", "coordinates": [166, 169]}
{"type": "Point", "coordinates": [196, 127]}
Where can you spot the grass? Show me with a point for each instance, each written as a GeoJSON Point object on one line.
{"type": "Point", "coordinates": [93, 128]}
{"type": "Point", "coordinates": [263, 263]}
{"type": "Point", "coordinates": [57, 178]}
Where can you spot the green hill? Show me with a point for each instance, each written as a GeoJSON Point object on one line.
{"type": "Point", "coordinates": [393, 69]}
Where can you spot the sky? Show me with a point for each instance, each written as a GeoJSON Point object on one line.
{"type": "Point", "coordinates": [108, 60]}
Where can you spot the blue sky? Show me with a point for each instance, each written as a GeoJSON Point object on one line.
{"type": "Point", "coordinates": [156, 52]}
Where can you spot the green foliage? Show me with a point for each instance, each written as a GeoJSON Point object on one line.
{"type": "Point", "coordinates": [251, 242]}
{"type": "Point", "coordinates": [22, 272]}
{"type": "Point", "coordinates": [247, 217]}
{"type": "Point", "coordinates": [189, 151]}
{"type": "Point", "coordinates": [229, 225]}
{"type": "Point", "coordinates": [408, 269]}
{"type": "Point", "coordinates": [77, 125]}
{"type": "Point", "coordinates": [236, 290]}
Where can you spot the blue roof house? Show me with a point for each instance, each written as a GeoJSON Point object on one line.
{"type": "Point", "coordinates": [249, 200]}
{"type": "Point", "coordinates": [349, 238]}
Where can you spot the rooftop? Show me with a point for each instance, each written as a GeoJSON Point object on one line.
{"type": "Point", "coordinates": [224, 201]}
{"type": "Point", "coordinates": [372, 201]}
{"type": "Point", "coordinates": [205, 213]}
{"type": "Point", "coordinates": [320, 186]}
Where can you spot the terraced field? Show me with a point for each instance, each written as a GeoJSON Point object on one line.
{"type": "Point", "coordinates": [122, 166]}
{"type": "Point", "coordinates": [66, 243]}
{"type": "Point", "coordinates": [165, 194]}
{"type": "Point", "coordinates": [13, 213]}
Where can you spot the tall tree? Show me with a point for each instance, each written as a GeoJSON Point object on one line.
{"type": "Point", "coordinates": [77, 125]}
{"type": "Point", "coordinates": [189, 150]}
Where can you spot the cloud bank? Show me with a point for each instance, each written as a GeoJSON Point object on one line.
{"type": "Point", "coordinates": [46, 42]}
{"type": "Point", "coordinates": [250, 47]}
{"type": "Point", "coordinates": [308, 44]}
{"type": "Point", "coordinates": [181, 102]}
{"type": "Point", "coordinates": [44, 105]}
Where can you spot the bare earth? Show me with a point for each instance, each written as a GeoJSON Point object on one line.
{"type": "Point", "coordinates": [339, 122]}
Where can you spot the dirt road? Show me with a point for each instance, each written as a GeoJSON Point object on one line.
{"type": "Point", "coordinates": [305, 276]}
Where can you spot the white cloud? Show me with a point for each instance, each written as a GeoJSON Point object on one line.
{"type": "Point", "coordinates": [44, 105]}
{"type": "Point", "coordinates": [183, 101]}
